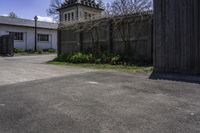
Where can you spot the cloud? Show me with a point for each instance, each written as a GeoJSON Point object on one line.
{"type": "Point", "coordinates": [46, 19]}
{"type": "Point", "coordinates": [5, 15]}
{"type": "Point", "coordinates": [40, 18]}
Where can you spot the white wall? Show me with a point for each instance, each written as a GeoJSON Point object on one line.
{"type": "Point", "coordinates": [67, 10]}
{"type": "Point", "coordinates": [81, 11]}
{"type": "Point", "coordinates": [52, 39]}
{"type": "Point", "coordinates": [29, 37]}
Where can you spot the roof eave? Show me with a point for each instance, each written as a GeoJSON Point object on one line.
{"type": "Point", "coordinates": [78, 4]}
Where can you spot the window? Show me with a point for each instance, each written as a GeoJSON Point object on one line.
{"type": "Point", "coordinates": [19, 36]}
{"type": "Point", "coordinates": [65, 17]}
{"type": "Point", "coordinates": [86, 16]}
{"type": "Point", "coordinates": [68, 16]}
{"type": "Point", "coordinates": [89, 15]}
{"type": "Point", "coordinates": [72, 16]}
{"type": "Point", "coordinates": [43, 37]}
{"type": "Point", "coordinates": [93, 16]}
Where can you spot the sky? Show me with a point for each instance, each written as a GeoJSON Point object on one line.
{"type": "Point", "coordinates": [28, 8]}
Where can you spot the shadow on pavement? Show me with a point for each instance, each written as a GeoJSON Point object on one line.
{"type": "Point", "coordinates": [176, 77]}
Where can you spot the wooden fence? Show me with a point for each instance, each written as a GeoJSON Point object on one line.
{"type": "Point", "coordinates": [177, 36]}
{"type": "Point", "coordinates": [138, 34]}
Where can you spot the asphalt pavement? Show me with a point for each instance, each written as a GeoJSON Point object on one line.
{"type": "Point", "coordinates": [76, 100]}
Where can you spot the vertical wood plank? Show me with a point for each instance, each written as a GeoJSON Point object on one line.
{"type": "Point", "coordinates": [176, 36]}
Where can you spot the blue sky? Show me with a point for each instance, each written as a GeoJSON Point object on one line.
{"type": "Point", "coordinates": [27, 8]}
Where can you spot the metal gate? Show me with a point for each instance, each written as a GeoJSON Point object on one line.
{"type": "Point", "coordinates": [7, 45]}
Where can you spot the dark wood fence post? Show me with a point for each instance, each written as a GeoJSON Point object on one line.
{"type": "Point", "coordinates": [151, 39]}
{"type": "Point", "coordinates": [59, 34]}
{"type": "Point", "coordinates": [10, 45]}
{"type": "Point", "coordinates": [110, 37]}
{"type": "Point", "coordinates": [81, 41]}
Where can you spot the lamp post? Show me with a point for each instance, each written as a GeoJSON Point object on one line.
{"type": "Point", "coordinates": [36, 19]}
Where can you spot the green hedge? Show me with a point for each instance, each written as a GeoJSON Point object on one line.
{"type": "Point", "coordinates": [77, 57]}
{"type": "Point", "coordinates": [32, 51]}
{"type": "Point", "coordinates": [17, 50]}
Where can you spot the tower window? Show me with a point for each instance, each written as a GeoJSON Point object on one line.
{"type": "Point", "coordinates": [68, 16]}
{"type": "Point", "coordinates": [72, 16]}
{"type": "Point", "coordinates": [89, 15]}
{"type": "Point", "coordinates": [65, 17]}
{"type": "Point", "coordinates": [86, 15]}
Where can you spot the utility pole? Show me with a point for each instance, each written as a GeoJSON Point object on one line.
{"type": "Point", "coordinates": [36, 19]}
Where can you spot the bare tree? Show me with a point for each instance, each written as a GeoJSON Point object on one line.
{"type": "Point", "coordinates": [12, 15]}
{"type": "Point", "coordinates": [118, 14]}
{"type": "Point", "coordinates": [121, 10]}
{"type": "Point", "coordinates": [100, 3]}
{"type": "Point", "coordinates": [53, 8]}
{"type": "Point", "coordinates": [107, 10]}
{"type": "Point", "coordinates": [92, 28]}
{"type": "Point", "coordinates": [124, 7]}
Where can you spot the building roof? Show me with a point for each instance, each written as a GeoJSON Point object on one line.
{"type": "Point", "coordinates": [27, 23]}
{"type": "Point", "coordinates": [88, 3]}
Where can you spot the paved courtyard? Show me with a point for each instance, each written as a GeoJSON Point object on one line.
{"type": "Point", "coordinates": [40, 98]}
{"type": "Point", "coordinates": [28, 68]}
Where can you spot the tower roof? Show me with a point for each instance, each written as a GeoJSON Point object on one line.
{"type": "Point", "coordinates": [88, 3]}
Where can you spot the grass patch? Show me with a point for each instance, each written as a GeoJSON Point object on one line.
{"type": "Point", "coordinates": [19, 52]}
{"type": "Point", "coordinates": [123, 68]}
{"type": "Point", "coordinates": [31, 54]}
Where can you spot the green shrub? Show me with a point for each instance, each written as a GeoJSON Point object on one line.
{"type": "Point", "coordinates": [103, 58]}
{"type": "Point", "coordinates": [51, 50]}
{"type": "Point", "coordinates": [17, 50]}
{"type": "Point", "coordinates": [115, 60]}
{"type": "Point", "coordinates": [97, 61]}
{"type": "Point", "coordinates": [30, 51]}
{"type": "Point", "coordinates": [39, 51]}
{"type": "Point", "coordinates": [107, 58]}
{"type": "Point", "coordinates": [78, 57]}
{"type": "Point", "coordinates": [45, 50]}
{"type": "Point", "coordinates": [62, 58]}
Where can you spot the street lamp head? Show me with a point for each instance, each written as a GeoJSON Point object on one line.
{"type": "Point", "coordinates": [36, 18]}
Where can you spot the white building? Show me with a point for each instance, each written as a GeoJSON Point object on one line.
{"type": "Point", "coordinates": [24, 33]}
{"type": "Point", "coordinates": [79, 10]}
